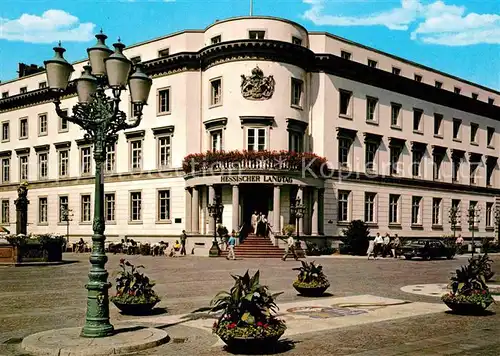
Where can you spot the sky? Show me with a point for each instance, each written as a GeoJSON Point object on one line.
{"type": "Point", "coordinates": [460, 37]}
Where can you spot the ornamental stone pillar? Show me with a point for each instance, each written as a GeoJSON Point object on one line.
{"type": "Point", "coordinates": [276, 210]}
{"type": "Point", "coordinates": [188, 210]}
{"type": "Point", "coordinates": [236, 207]}
{"type": "Point", "coordinates": [315, 212]}
{"type": "Point", "coordinates": [195, 211]}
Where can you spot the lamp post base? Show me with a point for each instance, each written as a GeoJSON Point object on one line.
{"type": "Point", "coordinates": [214, 250]}
{"type": "Point", "coordinates": [100, 330]}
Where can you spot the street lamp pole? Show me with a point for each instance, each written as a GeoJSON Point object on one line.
{"type": "Point", "coordinates": [298, 210]}
{"type": "Point", "coordinates": [100, 117]}
{"type": "Point", "coordinates": [215, 211]}
{"type": "Point", "coordinates": [473, 213]}
{"type": "Point", "coordinates": [66, 216]}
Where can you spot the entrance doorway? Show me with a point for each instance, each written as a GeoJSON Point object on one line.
{"type": "Point", "coordinates": [255, 197]}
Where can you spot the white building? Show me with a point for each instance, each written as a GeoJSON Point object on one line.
{"type": "Point", "coordinates": [405, 142]}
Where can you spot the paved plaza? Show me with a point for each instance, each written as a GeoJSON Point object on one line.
{"type": "Point", "coordinates": [382, 307]}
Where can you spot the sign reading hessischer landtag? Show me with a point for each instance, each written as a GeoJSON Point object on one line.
{"type": "Point", "coordinates": [256, 179]}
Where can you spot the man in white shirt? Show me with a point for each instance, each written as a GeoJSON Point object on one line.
{"type": "Point", "coordinates": [387, 241]}
{"type": "Point", "coordinates": [290, 248]}
{"type": "Point", "coordinates": [379, 241]}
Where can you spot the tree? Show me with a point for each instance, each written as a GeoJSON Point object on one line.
{"type": "Point", "coordinates": [356, 238]}
{"type": "Point", "coordinates": [454, 218]}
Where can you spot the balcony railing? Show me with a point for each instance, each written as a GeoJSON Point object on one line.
{"type": "Point", "coordinates": [230, 161]}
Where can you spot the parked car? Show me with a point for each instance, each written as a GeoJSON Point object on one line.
{"type": "Point", "coordinates": [427, 249]}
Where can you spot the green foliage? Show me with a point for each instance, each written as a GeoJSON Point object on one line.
{"type": "Point", "coordinates": [42, 239]}
{"type": "Point", "coordinates": [289, 229]}
{"type": "Point", "coordinates": [482, 265]}
{"type": "Point", "coordinates": [467, 279]}
{"type": "Point", "coordinates": [356, 238]}
{"type": "Point", "coordinates": [313, 250]}
{"type": "Point", "coordinates": [222, 231]}
{"type": "Point", "coordinates": [246, 309]}
{"type": "Point", "coordinates": [133, 287]}
{"type": "Point", "coordinates": [479, 297]}
{"type": "Point", "coordinates": [310, 275]}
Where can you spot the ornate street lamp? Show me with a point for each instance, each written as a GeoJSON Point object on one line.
{"type": "Point", "coordinates": [101, 118]}
{"type": "Point", "coordinates": [215, 211]}
{"type": "Point", "coordinates": [297, 210]}
{"type": "Point", "coordinates": [67, 216]}
{"type": "Point", "coordinates": [497, 220]}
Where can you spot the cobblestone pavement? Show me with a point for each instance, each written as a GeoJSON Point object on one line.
{"type": "Point", "coordinates": [34, 299]}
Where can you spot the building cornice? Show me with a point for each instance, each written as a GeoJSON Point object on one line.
{"type": "Point", "coordinates": [285, 52]}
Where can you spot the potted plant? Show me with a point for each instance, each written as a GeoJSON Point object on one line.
{"type": "Point", "coordinates": [483, 265]}
{"type": "Point", "coordinates": [311, 281]}
{"type": "Point", "coordinates": [247, 319]}
{"type": "Point", "coordinates": [134, 290]}
{"type": "Point", "coordinates": [469, 294]}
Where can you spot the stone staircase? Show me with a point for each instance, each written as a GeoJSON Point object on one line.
{"type": "Point", "coordinates": [256, 247]}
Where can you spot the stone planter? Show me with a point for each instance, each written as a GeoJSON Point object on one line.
{"type": "Point", "coordinates": [313, 291]}
{"type": "Point", "coordinates": [32, 252]}
{"type": "Point", "coordinates": [251, 343]}
{"type": "Point", "coordinates": [466, 308]}
{"type": "Point", "coordinates": [135, 309]}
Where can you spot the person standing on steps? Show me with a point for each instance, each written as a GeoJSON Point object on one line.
{"type": "Point", "coordinates": [230, 247]}
{"type": "Point", "coordinates": [253, 222]}
{"type": "Point", "coordinates": [290, 248]}
{"type": "Point", "coordinates": [183, 242]}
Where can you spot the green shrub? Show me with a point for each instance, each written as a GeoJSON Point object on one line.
{"type": "Point", "coordinates": [356, 238]}
{"type": "Point", "coordinates": [310, 275]}
{"type": "Point", "coordinates": [133, 287]}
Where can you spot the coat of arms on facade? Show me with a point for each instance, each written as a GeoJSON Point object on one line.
{"type": "Point", "coordinates": [256, 86]}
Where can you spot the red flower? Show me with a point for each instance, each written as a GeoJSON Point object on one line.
{"type": "Point", "coordinates": [122, 260]}
{"type": "Point", "coordinates": [266, 325]}
{"type": "Point", "coordinates": [259, 323]}
{"type": "Point", "coordinates": [231, 326]}
{"type": "Point", "coordinates": [484, 292]}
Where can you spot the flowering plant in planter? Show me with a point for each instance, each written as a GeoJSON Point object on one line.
{"type": "Point", "coordinates": [133, 287]}
{"type": "Point", "coordinates": [310, 275]}
{"type": "Point", "coordinates": [483, 265]}
{"type": "Point", "coordinates": [468, 288]}
{"type": "Point", "coordinates": [247, 311]}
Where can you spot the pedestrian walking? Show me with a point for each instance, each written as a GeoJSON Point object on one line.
{"type": "Point", "coordinates": [230, 247]}
{"type": "Point", "coordinates": [183, 242]}
{"type": "Point", "coordinates": [371, 249]}
{"type": "Point", "coordinates": [290, 248]}
{"type": "Point", "coordinates": [253, 222]}
{"type": "Point", "coordinates": [396, 244]}
{"type": "Point", "coordinates": [459, 243]}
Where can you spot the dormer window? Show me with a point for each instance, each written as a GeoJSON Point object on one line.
{"type": "Point", "coordinates": [23, 90]}
{"type": "Point", "coordinates": [418, 78]}
{"type": "Point", "coordinates": [372, 63]}
{"type": "Point", "coordinates": [163, 53]}
{"type": "Point", "coordinates": [345, 55]}
{"type": "Point", "coordinates": [216, 39]}
{"type": "Point", "coordinates": [296, 41]}
{"type": "Point", "coordinates": [256, 35]}
{"type": "Point", "coordinates": [136, 59]}
{"type": "Point", "coordinates": [475, 96]}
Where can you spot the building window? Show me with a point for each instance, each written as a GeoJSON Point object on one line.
{"type": "Point", "coordinates": [343, 206]}
{"type": "Point", "coordinates": [164, 151]}
{"type": "Point", "coordinates": [23, 90]}
{"type": "Point", "coordinates": [491, 101]}
{"type": "Point", "coordinates": [396, 71]}
{"type": "Point", "coordinates": [456, 129]}
{"type": "Point", "coordinates": [42, 85]}
{"type": "Point", "coordinates": [85, 160]}
{"type": "Point", "coordinates": [490, 168]}
{"type": "Point", "coordinates": [372, 63]}
{"type": "Point", "coordinates": [417, 156]}
{"type": "Point", "coordinates": [296, 41]}
{"type": "Point", "coordinates": [164, 101]}
{"type": "Point", "coordinates": [163, 53]}
{"type": "Point", "coordinates": [23, 168]}
{"type": "Point", "coordinates": [370, 207]}
{"type": "Point", "coordinates": [23, 127]}
{"type": "Point", "coordinates": [43, 165]}
{"type": "Point", "coordinates": [371, 109]}
{"type": "Point", "coordinates": [393, 209]}
{"type": "Point", "coordinates": [136, 155]}
{"type": "Point", "coordinates": [489, 213]}
{"type": "Point", "coordinates": [135, 206]}
{"type": "Point", "coordinates": [5, 94]}
{"type": "Point", "coordinates": [415, 210]}
{"type": "Point", "coordinates": [256, 139]}
{"type": "Point", "coordinates": [136, 59]}
{"type": "Point", "coordinates": [43, 208]}
{"type": "Point", "coordinates": [370, 154]}
{"type": "Point", "coordinates": [63, 163]}
{"type": "Point", "coordinates": [63, 123]}
{"type": "Point", "coordinates": [436, 211]}
{"type": "Point", "coordinates": [63, 208]}
{"type": "Point", "coordinates": [418, 78]}
{"type": "Point", "coordinates": [110, 158]}
{"type": "Point", "coordinates": [5, 131]}
{"type": "Point", "coordinates": [455, 172]}
{"type": "Point", "coordinates": [109, 203]}
{"type": "Point", "coordinates": [85, 214]}
{"type": "Point", "coordinates": [438, 85]}
{"type": "Point", "coordinates": [345, 103]}
{"type": "Point", "coordinates": [417, 120]}
{"type": "Point", "coordinates": [491, 134]}
{"type": "Point", "coordinates": [345, 55]}
{"type": "Point", "coordinates": [437, 159]}
{"type": "Point", "coordinates": [164, 205]}
{"type": "Point", "coordinates": [473, 169]}
{"type": "Point", "coordinates": [215, 40]}
{"type": "Point", "coordinates": [395, 115]}
{"type": "Point", "coordinates": [42, 125]}
{"type": "Point", "coordinates": [395, 153]}
{"type": "Point", "coordinates": [475, 96]}
{"type": "Point", "coordinates": [215, 92]}
{"type": "Point", "coordinates": [256, 35]}
{"type": "Point", "coordinates": [296, 95]}
{"type": "Point", "coordinates": [473, 132]}
{"type": "Point", "coordinates": [216, 140]}
{"type": "Point", "coordinates": [295, 141]}
{"type": "Point", "coordinates": [438, 125]}
{"type": "Point", "coordinates": [457, 90]}
{"type": "Point", "coordinates": [134, 109]}
{"type": "Point", "coordinates": [5, 170]}
{"type": "Point", "coordinates": [344, 148]}
{"type": "Point", "coordinates": [5, 211]}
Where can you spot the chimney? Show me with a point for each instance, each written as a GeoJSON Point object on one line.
{"type": "Point", "coordinates": [25, 69]}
